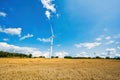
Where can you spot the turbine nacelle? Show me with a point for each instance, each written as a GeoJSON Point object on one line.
{"type": "Point", "coordinates": [52, 36]}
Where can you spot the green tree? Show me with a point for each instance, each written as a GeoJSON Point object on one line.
{"type": "Point", "coordinates": [30, 55]}
{"type": "Point", "coordinates": [107, 57]}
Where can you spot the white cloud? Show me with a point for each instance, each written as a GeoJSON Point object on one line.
{"type": "Point", "coordinates": [82, 54]}
{"type": "Point", "coordinates": [118, 47]}
{"type": "Point", "coordinates": [111, 52]}
{"type": "Point", "coordinates": [98, 39]}
{"type": "Point", "coordinates": [108, 37]}
{"type": "Point", "coordinates": [102, 55]}
{"type": "Point", "coordinates": [26, 36]}
{"type": "Point", "coordinates": [49, 6]}
{"type": "Point", "coordinates": [78, 45]}
{"type": "Point", "coordinates": [111, 49]}
{"type": "Point", "coordinates": [61, 54]}
{"type": "Point", "coordinates": [27, 50]}
{"type": "Point", "coordinates": [3, 14]}
{"type": "Point", "coordinates": [91, 45]}
{"type": "Point", "coordinates": [117, 55]}
{"type": "Point", "coordinates": [5, 39]}
{"type": "Point", "coordinates": [58, 45]}
{"type": "Point", "coordinates": [46, 54]}
{"type": "Point", "coordinates": [58, 15]}
{"type": "Point", "coordinates": [110, 42]}
{"type": "Point", "coordinates": [47, 13]}
{"type": "Point", "coordinates": [44, 39]}
{"type": "Point", "coordinates": [116, 36]}
{"type": "Point", "coordinates": [11, 31]}
{"type": "Point", "coordinates": [88, 45]}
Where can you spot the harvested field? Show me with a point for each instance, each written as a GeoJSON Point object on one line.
{"type": "Point", "coordinates": [59, 69]}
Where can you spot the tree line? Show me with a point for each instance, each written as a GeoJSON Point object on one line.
{"type": "Point", "coordinates": [97, 57]}
{"type": "Point", "coordinates": [10, 54]}
{"type": "Point", "coordinates": [21, 55]}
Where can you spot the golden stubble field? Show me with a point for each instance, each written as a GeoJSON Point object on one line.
{"type": "Point", "coordinates": [59, 69]}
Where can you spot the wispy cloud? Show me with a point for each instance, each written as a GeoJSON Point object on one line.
{"type": "Point", "coordinates": [82, 54]}
{"type": "Point", "coordinates": [111, 49]}
{"type": "Point", "coordinates": [5, 39]}
{"type": "Point", "coordinates": [3, 14]}
{"type": "Point", "coordinates": [49, 6]}
{"type": "Point", "coordinates": [111, 52]}
{"type": "Point", "coordinates": [58, 15]}
{"type": "Point", "coordinates": [108, 37]}
{"type": "Point", "coordinates": [26, 36]}
{"type": "Point", "coordinates": [47, 13]}
{"type": "Point", "coordinates": [11, 31]}
{"type": "Point", "coordinates": [110, 42]}
{"type": "Point", "coordinates": [88, 45]}
{"type": "Point", "coordinates": [61, 54]}
{"type": "Point", "coordinates": [44, 39]}
{"type": "Point", "coordinates": [98, 39]}
{"type": "Point", "coordinates": [116, 36]}
{"type": "Point", "coordinates": [58, 45]}
{"type": "Point", "coordinates": [118, 47]}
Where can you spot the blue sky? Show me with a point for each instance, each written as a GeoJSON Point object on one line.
{"type": "Point", "coordinates": [81, 27]}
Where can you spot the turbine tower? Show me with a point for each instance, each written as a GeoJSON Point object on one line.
{"type": "Point", "coordinates": [51, 42]}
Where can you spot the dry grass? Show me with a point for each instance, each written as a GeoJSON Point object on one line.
{"type": "Point", "coordinates": [59, 69]}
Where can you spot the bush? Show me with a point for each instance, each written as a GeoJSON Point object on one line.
{"type": "Point", "coordinates": [98, 57]}
{"type": "Point", "coordinates": [52, 57]}
{"type": "Point", "coordinates": [41, 56]}
{"type": "Point", "coordinates": [30, 55]}
{"type": "Point", "coordinates": [56, 57]}
{"type": "Point", "coordinates": [68, 57]}
{"type": "Point", "coordinates": [107, 58]}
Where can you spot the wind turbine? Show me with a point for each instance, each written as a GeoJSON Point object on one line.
{"type": "Point", "coordinates": [51, 42]}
